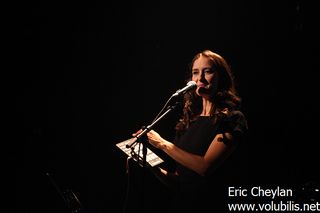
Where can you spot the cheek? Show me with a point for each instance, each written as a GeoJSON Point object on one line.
{"type": "Point", "coordinates": [209, 79]}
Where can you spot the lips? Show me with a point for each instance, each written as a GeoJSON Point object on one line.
{"type": "Point", "coordinates": [201, 85]}
{"type": "Point", "coordinates": [204, 86]}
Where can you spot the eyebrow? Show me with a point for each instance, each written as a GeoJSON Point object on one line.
{"type": "Point", "coordinates": [203, 68]}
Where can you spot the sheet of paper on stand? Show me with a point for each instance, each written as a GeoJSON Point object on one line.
{"type": "Point", "coordinates": [151, 158]}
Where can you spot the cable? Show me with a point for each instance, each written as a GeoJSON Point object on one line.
{"type": "Point", "coordinates": [165, 105]}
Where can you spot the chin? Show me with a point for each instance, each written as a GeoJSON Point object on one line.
{"type": "Point", "coordinates": [203, 90]}
{"type": "Point", "coordinates": [198, 92]}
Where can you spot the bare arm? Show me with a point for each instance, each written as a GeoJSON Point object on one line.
{"type": "Point", "coordinates": [215, 155]}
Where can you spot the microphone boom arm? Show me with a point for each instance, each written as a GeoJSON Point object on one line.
{"type": "Point", "coordinates": [149, 127]}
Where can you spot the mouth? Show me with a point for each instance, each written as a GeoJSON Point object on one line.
{"type": "Point", "coordinates": [205, 86]}
{"type": "Point", "coordinates": [201, 85]}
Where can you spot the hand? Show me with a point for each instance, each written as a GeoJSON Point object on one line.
{"type": "Point", "coordinates": [167, 178]}
{"type": "Point", "coordinates": [155, 139]}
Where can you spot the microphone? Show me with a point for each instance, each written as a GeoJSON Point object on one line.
{"type": "Point", "coordinates": [190, 85]}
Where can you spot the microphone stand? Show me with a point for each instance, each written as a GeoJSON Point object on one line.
{"type": "Point", "coordinates": [190, 85]}
{"type": "Point", "coordinates": [135, 141]}
{"type": "Point", "coordinates": [147, 129]}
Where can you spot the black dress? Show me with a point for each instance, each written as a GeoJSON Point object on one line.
{"type": "Point", "coordinates": [196, 193]}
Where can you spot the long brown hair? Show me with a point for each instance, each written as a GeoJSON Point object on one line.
{"type": "Point", "coordinates": [224, 95]}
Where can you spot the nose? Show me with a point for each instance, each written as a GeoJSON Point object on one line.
{"type": "Point", "coordinates": [202, 77]}
{"type": "Point", "coordinates": [199, 77]}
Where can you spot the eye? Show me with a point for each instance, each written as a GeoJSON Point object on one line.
{"type": "Point", "coordinates": [195, 72]}
{"type": "Point", "coordinates": [208, 71]}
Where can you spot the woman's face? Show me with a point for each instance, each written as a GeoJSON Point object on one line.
{"type": "Point", "coordinates": [203, 74]}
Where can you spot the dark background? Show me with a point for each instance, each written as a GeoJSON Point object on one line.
{"type": "Point", "coordinates": [87, 75]}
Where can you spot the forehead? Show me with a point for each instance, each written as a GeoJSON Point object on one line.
{"type": "Point", "coordinates": [201, 62]}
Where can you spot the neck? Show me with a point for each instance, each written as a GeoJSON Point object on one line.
{"type": "Point", "coordinates": [206, 107]}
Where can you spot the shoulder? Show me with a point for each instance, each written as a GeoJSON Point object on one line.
{"type": "Point", "coordinates": [236, 114]}
{"type": "Point", "coordinates": [234, 121]}
{"type": "Point", "coordinates": [233, 115]}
